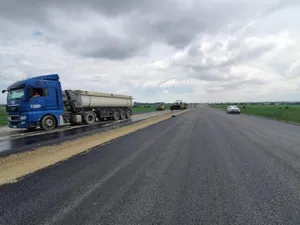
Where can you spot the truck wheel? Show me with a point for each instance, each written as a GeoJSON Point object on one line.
{"type": "Point", "coordinates": [48, 123]}
{"type": "Point", "coordinates": [89, 118]}
{"type": "Point", "coordinates": [123, 115]}
{"type": "Point", "coordinates": [128, 114]}
{"type": "Point", "coordinates": [116, 115]}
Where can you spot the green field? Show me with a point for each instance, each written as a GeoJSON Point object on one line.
{"type": "Point", "coordinates": [146, 108]}
{"type": "Point", "coordinates": [3, 116]}
{"type": "Point", "coordinates": [288, 113]}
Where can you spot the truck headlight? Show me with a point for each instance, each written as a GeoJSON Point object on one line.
{"type": "Point", "coordinates": [22, 117]}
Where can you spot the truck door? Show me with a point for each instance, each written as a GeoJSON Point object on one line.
{"type": "Point", "coordinates": [52, 99]}
{"type": "Point", "coordinates": [43, 98]}
{"type": "Point", "coordinates": [37, 98]}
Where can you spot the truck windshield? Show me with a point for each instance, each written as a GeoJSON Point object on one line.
{"type": "Point", "coordinates": [15, 94]}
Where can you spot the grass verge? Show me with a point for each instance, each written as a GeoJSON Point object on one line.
{"type": "Point", "coordinates": [3, 116]}
{"type": "Point", "coordinates": [18, 165]}
{"type": "Point", "coordinates": [286, 113]}
{"type": "Point", "coordinates": [147, 108]}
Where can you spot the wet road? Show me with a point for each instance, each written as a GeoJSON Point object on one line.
{"type": "Point", "coordinates": [202, 167]}
{"type": "Point", "coordinates": [13, 141]}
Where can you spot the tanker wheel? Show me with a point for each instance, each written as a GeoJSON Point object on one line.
{"type": "Point", "coordinates": [116, 115]}
{"type": "Point", "coordinates": [89, 118]}
{"type": "Point", "coordinates": [48, 123]}
{"type": "Point", "coordinates": [128, 114]}
{"type": "Point", "coordinates": [123, 115]}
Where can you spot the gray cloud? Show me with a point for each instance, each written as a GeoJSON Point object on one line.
{"type": "Point", "coordinates": [239, 84]}
{"type": "Point", "coordinates": [172, 22]}
{"type": "Point", "coordinates": [198, 65]}
{"type": "Point", "coordinates": [77, 37]}
{"type": "Point", "coordinates": [280, 5]}
{"type": "Point", "coordinates": [35, 9]}
{"type": "Point", "coordinates": [178, 26]}
{"type": "Point", "coordinates": [209, 74]}
{"type": "Point", "coordinates": [215, 70]}
{"type": "Point", "coordinates": [111, 47]}
{"type": "Point", "coordinates": [250, 53]}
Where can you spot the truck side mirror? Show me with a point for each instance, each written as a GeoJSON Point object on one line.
{"type": "Point", "coordinates": [3, 91]}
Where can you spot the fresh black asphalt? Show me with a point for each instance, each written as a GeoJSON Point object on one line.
{"type": "Point", "coordinates": [26, 141]}
{"type": "Point", "coordinates": [201, 167]}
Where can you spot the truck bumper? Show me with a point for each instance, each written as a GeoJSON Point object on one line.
{"type": "Point", "coordinates": [16, 121]}
{"type": "Point", "coordinates": [21, 124]}
{"type": "Point", "coordinates": [16, 125]}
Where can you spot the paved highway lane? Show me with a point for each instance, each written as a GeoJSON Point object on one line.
{"type": "Point", "coordinates": [14, 141]}
{"type": "Point", "coordinates": [7, 133]}
{"type": "Point", "coordinates": [202, 167]}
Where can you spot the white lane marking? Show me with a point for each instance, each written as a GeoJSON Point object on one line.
{"type": "Point", "coordinates": [241, 129]}
{"type": "Point", "coordinates": [109, 124]}
{"type": "Point", "coordinates": [224, 124]}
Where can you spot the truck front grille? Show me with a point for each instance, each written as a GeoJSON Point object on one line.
{"type": "Point", "coordinates": [14, 123]}
{"type": "Point", "coordinates": [12, 108]}
{"type": "Point", "coordinates": [14, 118]}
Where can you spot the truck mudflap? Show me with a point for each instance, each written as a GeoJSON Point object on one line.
{"type": "Point", "coordinates": [61, 121]}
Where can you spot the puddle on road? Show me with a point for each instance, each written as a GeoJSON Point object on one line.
{"type": "Point", "coordinates": [21, 139]}
{"type": "Point", "coordinates": [10, 143]}
{"type": "Point", "coordinates": [9, 134]}
{"type": "Point", "coordinates": [18, 165]}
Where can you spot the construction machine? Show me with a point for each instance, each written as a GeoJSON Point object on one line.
{"type": "Point", "coordinates": [178, 105]}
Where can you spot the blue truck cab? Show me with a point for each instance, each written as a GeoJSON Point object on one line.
{"type": "Point", "coordinates": [34, 102]}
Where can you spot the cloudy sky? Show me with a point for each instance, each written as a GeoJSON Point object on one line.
{"type": "Point", "coordinates": [159, 50]}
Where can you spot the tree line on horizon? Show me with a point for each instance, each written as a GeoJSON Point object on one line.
{"type": "Point", "coordinates": [256, 103]}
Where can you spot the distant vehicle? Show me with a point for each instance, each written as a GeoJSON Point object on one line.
{"type": "Point", "coordinates": [40, 101]}
{"type": "Point", "coordinates": [160, 107]}
{"type": "Point", "coordinates": [233, 109]}
{"type": "Point", "coordinates": [178, 105]}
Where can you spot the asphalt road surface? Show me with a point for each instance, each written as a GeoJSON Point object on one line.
{"type": "Point", "coordinates": [7, 133]}
{"type": "Point", "coordinates": [14, 141]}
{"type": "Point", "coordinates": [202, 167]}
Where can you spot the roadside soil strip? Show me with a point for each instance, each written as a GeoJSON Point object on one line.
{"type": "Point", "coordinates": [18, 165]}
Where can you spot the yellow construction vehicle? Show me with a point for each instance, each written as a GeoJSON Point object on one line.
{"type": "Point", "coordinates": [160, 107]}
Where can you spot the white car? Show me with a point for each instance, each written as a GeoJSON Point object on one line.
{"type": "Point", "coordinates": [233, 109]}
